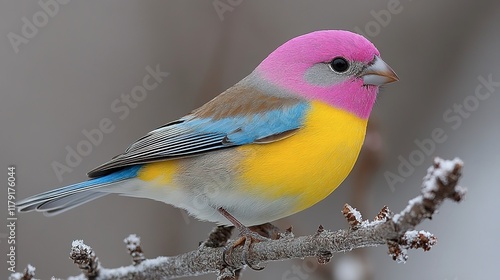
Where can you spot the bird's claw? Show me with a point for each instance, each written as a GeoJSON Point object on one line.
{"type": "Point", "coordinates": [246, 239]}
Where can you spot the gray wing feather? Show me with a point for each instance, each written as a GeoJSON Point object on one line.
{"type": "Point", "coordinates": [167, 142]}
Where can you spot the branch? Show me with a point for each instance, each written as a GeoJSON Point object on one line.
{"type": "Point", "coordinates": [28, 274]}
{"type": "Point", "coordinates": [397, 231]}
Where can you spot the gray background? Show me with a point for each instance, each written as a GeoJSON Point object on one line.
{"type": "Point", "coordinates": [65, 78]}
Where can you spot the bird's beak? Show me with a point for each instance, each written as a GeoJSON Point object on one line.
{"type": "Point", "coordinates": [378, 73]}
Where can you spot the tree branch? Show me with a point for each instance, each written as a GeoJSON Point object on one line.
{"type": "Point", "coordinates": [397, 231]}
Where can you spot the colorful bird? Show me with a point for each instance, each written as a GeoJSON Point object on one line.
{"type": "Point", "coordinates": [276, 143]}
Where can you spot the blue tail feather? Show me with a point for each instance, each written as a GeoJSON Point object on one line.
{"type": "Point", "coordinates": [62, 199]}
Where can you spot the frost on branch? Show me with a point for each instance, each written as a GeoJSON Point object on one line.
{"type": "Point", "coordinates": [439, 184]}
{"type": "Point", "coordinates": [411, 240]}
{"type": "Point", "coordinates": [397, 231]}
{"type": "Point", "coordinates": [384, 214]}
{"type": "Point", "coordinates": [352, 215]}
{"type": "Point", "coordinates": [85, 258]}
{"type": "Point", "coordinates": [134, 248]}
{"type": "Point", "coordinates": [28, 274]}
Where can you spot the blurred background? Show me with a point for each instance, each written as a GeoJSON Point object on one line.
{"type": "Point", "coordinates": [67, 65]}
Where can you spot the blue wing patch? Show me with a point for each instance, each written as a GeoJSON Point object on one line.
{"type": "Point", "coordinates": [246, 129]}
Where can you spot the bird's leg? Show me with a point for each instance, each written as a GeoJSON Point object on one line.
{"type": "Point", "coordinates": [247, 237]}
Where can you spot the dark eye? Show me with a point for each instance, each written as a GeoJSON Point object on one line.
{"type": "Point", "coordinates": [339, 64]}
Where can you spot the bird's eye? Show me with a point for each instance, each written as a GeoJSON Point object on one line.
{"type": "Point", "coordinates": [339, 64]}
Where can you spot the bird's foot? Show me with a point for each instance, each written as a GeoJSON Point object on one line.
{"type": "Point", "coordinates": [248, 236]}
{"type": "Point", "coordinates": [246, 239]}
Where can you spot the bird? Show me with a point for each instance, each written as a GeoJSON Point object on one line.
{"type": "Point", "coordinates": [277, 142]}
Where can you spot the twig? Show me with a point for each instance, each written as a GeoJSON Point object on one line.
{"type": "Point", "coordinates": [134, 248]}
{"type": "Point", "coordinates": [85, 258]}
{"type": "Point", "coordinates": [28, 274]}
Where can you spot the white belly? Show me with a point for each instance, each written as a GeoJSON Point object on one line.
{"type": "Point", "coordinates": [203, 205]}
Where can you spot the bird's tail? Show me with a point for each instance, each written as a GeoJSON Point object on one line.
{"type": "Point", "coordinates": [63, 199]}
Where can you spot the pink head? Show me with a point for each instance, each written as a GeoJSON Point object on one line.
{"type": "Point", "coordinates": [337, 67]}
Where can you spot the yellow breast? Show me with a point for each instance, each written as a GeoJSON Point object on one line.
{"type": "Point", "coordinates": [310, 164]}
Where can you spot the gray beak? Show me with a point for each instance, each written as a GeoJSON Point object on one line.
{"type": "Point", "coordinates": [379, 73]}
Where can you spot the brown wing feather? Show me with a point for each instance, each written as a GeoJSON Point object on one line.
{"type": "Point", "coordinates": [242, 100]}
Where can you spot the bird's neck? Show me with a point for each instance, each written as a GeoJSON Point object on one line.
{"type": "Point", "coordinates": [352, 97]}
